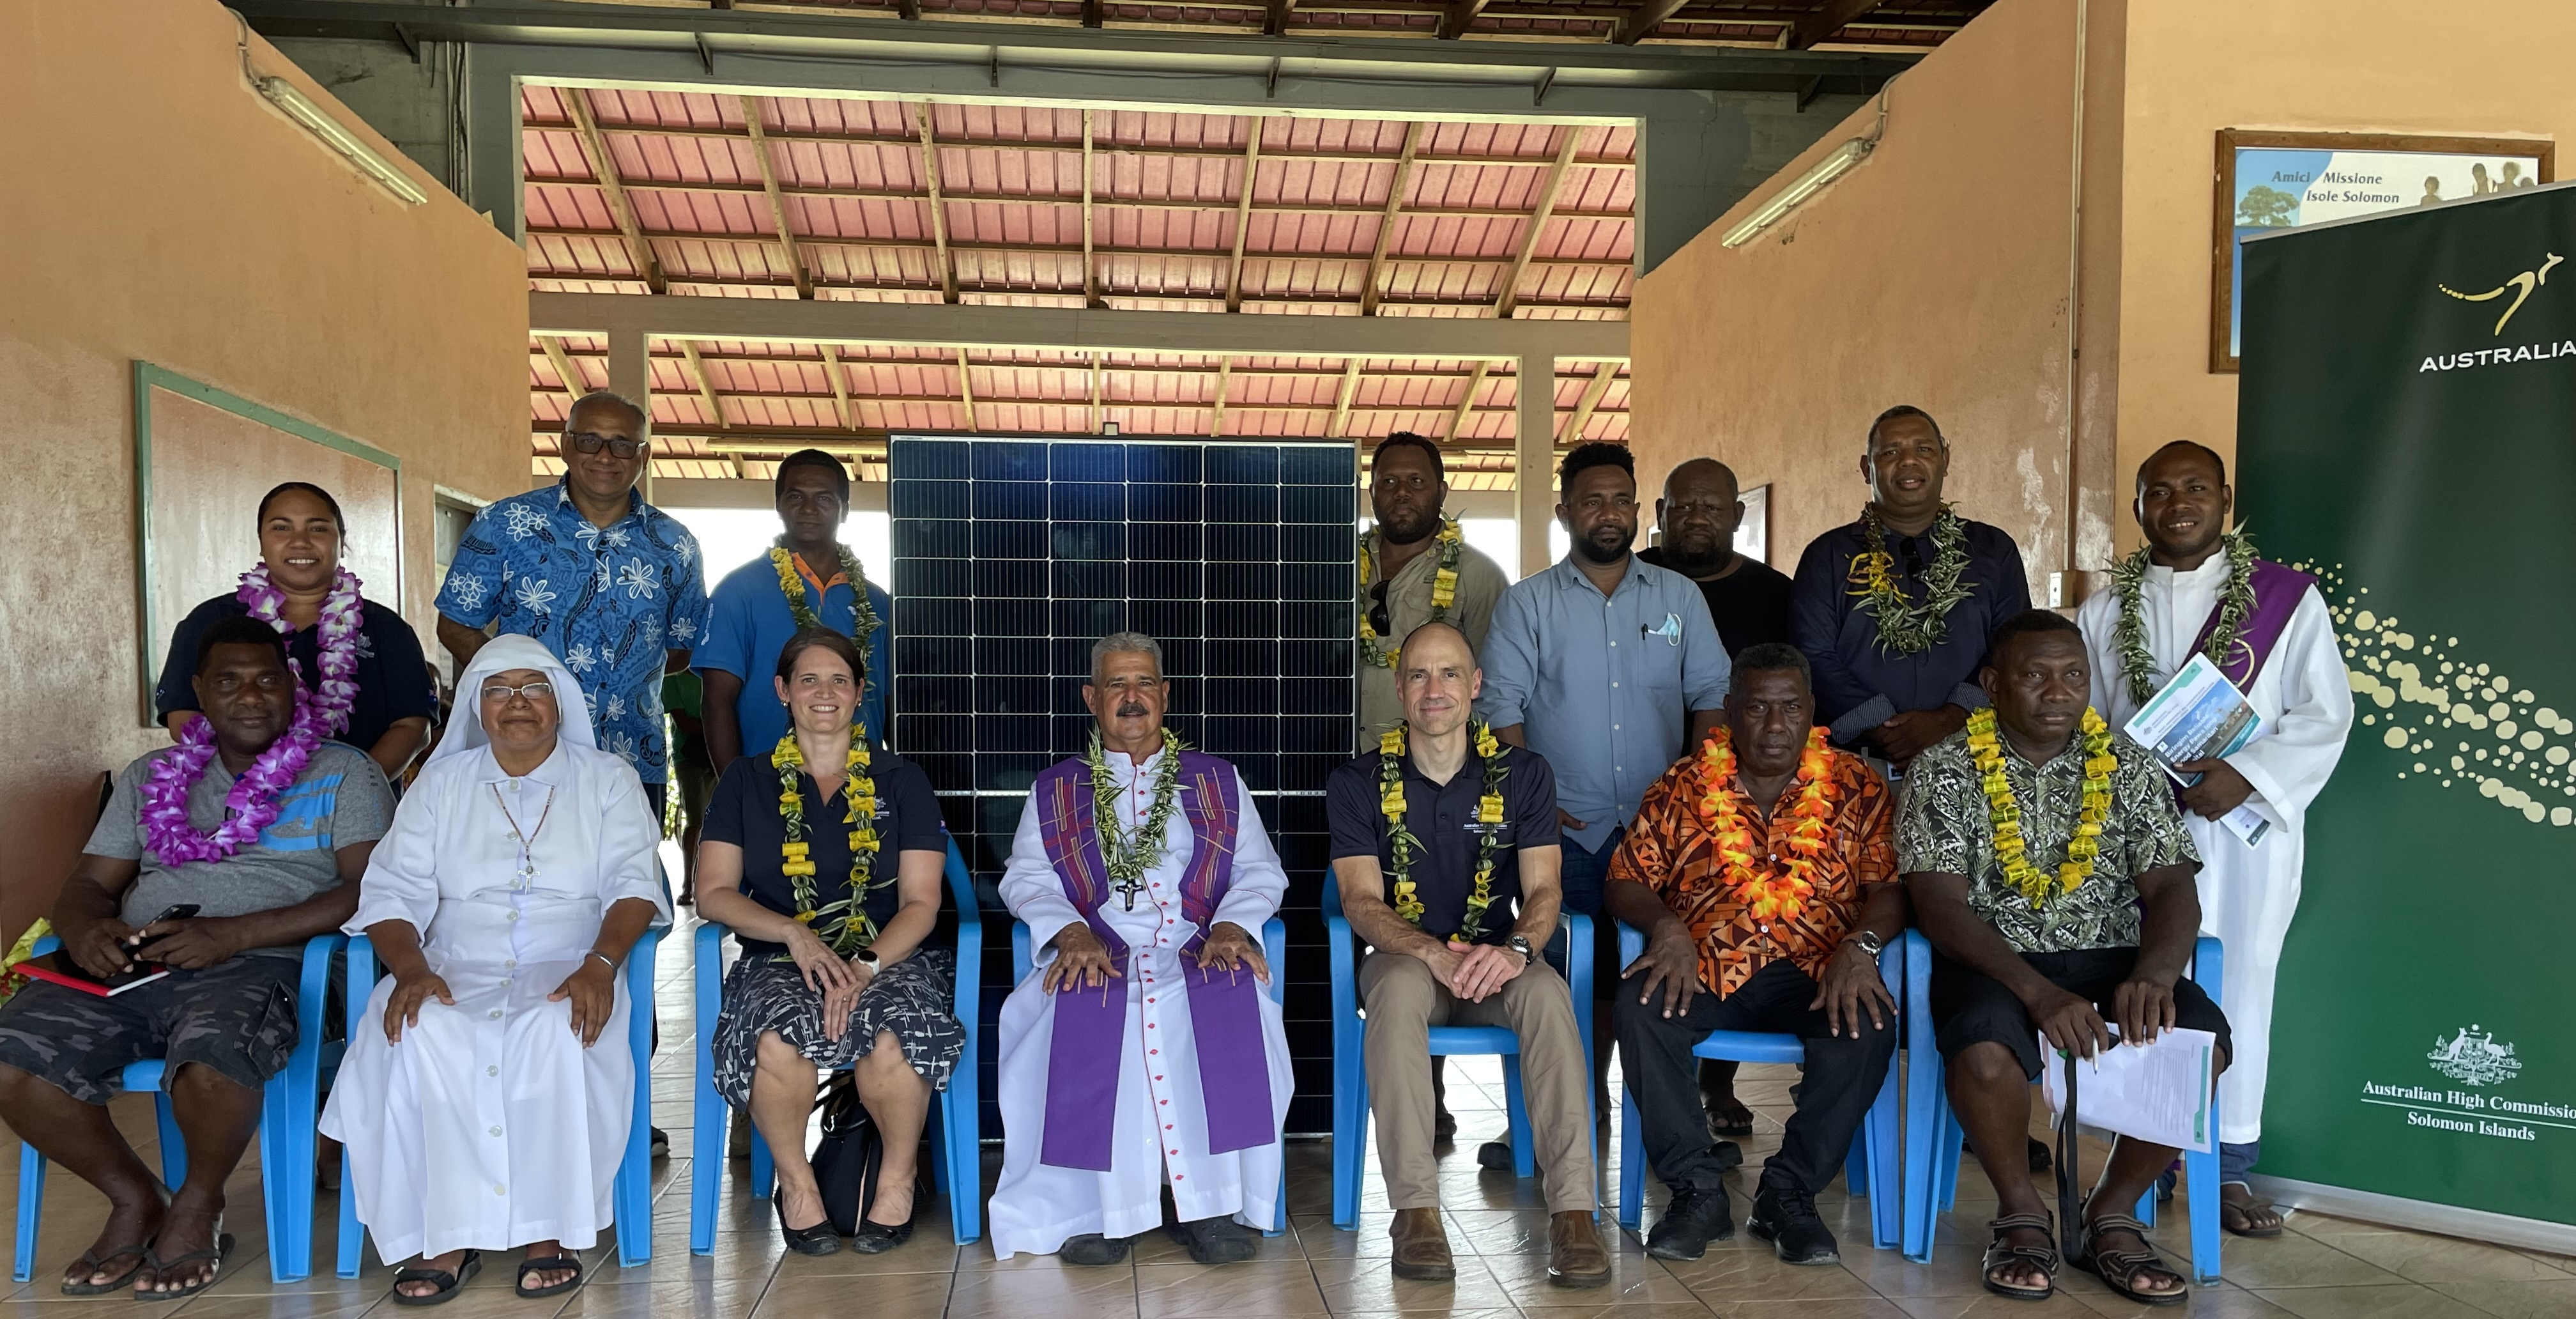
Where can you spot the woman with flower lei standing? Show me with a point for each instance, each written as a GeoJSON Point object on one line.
{"type": "Point", "coordinates": [359, 659]}
{"type": "Point", "coordinates": [1761, 870]}
{"type": "Point", "coordinates": [826, 856]}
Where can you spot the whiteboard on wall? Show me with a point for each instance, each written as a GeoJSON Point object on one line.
{"type": "Point", "coordinates": [202, 459]}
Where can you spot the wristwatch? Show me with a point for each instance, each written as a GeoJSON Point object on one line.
{"type": "Point", "coordinates": [1521, 945]}
{"type": "Point", "coordinates": [867, 957]}
{"type": "Point", "coordinates": [1870, 944]}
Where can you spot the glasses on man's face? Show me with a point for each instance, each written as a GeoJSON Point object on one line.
{"type": "Point", "coordinates": [593, 442]}
{"type": "Point", "coordinates": [500, 693]}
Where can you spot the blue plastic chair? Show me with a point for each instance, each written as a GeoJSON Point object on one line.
{"type": "Point", "coordinates": [631, 1195]}
{"type": "Point", "coordinates": [1933, 1134]}
{"type": "Point", "coordinates": [1274, 949]}
{"type": "Point", "coordinates": [1350, 1065]}
{"type": "Point", "coordinates": [1870, 1169]}
{"type": "Point", "coordinates": [288, 1107]}
{"type": "Point", "coordinates": [957, 1169]}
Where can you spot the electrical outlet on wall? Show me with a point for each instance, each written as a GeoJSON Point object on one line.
{"type": "Point", "coordinates": [2057, 590]}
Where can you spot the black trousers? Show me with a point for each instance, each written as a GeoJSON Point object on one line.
{"type": "Point", "coordinates": [1843, 1076]}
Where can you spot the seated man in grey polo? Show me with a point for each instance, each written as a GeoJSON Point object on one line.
{"type": "Point", "coordinates": [264, 828]}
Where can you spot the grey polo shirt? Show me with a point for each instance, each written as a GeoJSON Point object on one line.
{"type": "Point", "coordinates": [1603, 686]}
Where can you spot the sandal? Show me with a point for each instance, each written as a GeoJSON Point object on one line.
{"type": "Point", "coordinates": [2238, 1219]}
{"type": "Point", "coordinates": [223, 1250]}
{"type": "Point", "coordinates": [91, 1262]}
{"type": "Point", "coordinates": [2045, 1258]}
{"type": "Point", "coordinates": [548, 1265]}
{"type": "Point", "coordinates": [2119, 1269]}
{"type": "Point", "coordinates": [447, 1282]}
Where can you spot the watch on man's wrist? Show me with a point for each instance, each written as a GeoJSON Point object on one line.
{"type": "Point", "coordinates": [1521, 944]}
{"type": "Point", "coordinates": [1869, 943]}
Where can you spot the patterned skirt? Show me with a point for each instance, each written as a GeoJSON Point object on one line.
{"type": "Point", "coordinates": [910, 999]}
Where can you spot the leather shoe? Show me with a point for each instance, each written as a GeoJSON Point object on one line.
{"type": "Point", "coordinates": [1692, 1219]}
{"type": "Point", "coordinates": [1421, 1246]}
{"type": "Point", "coordinates": [1575, 1255]}
{"type": "Point", "coordinates": [1218, 1240]}
{"type": "Point", "coordinates": [1092, 1249]}
{"type": "Point", "coordinates": [1786, 1217]}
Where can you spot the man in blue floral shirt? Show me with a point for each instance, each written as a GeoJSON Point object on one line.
{"type": "Point", "coordinates": [610, 584]}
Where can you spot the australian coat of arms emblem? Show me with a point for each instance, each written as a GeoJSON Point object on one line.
{"type": "Point", "coordinates": [2473, 1057]}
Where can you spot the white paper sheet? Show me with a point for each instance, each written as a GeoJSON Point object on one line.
{"type": "Point", "coordinates": [2200, 715]}
{"type": "Point", "coordinates": [2158, 1092]}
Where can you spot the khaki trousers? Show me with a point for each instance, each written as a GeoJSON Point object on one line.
{"type": "Point", "coordinates": [1404, 1001]}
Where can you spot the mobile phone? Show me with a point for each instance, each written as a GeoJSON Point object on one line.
{"type": "Point", "coordinates": [177, 911]}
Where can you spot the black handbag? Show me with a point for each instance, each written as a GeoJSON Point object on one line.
{"type": "Point", "coordinates": [847, 1162]}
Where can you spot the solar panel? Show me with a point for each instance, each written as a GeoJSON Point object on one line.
{"type": "Point", "coordinates": [1011, 556]}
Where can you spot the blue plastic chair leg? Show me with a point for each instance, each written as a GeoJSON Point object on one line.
{"type": "Point", "coordinates": [631, 1193]}
{"type": "Point", "coordinates": [1632, 1162]}
{"type": "Point", "coordinates": [174, 1146]}
{"type": "Point", "coordinates": [1516, 1106]}
{"type": "Point", "coordinates": [31, 1198]}
{"type": "Point", "coordinates": [707, 1112]}
{"type": "Point", "coordinates": [360, 982]}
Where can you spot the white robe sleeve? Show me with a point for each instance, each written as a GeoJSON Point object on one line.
{"type": "Point", "coordinates": [630, 842]}
{"type": "Point", "coordinates": [1252, 895]}
{"type": "Point", "coordinates": [2290, 764]}
{"type": "Point", "coordinates": [401, 883]}
{"type": "Point", "coordinates": [1031, 889]}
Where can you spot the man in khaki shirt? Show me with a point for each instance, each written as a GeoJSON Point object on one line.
{"type": "Point", "coordinates": [1402, 561]}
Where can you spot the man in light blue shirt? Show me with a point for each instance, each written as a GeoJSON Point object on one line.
{"type": "Point", "coordinates": [1608, 666]}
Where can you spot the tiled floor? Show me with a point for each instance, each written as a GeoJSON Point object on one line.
{"type": "Point", "coordinates": [2325, 1268]}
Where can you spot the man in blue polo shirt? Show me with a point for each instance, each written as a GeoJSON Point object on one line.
{"type": "Point", "coordinates": [609, 583]}
{"type": "Point", "coordinates": [755, 614]}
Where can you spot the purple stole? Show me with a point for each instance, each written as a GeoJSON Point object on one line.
{"type": "Point", "coordinates": [1089, 1043]}
{"type": "Point", "coordinates": [2277, 592]}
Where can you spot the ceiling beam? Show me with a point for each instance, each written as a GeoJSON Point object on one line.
{"type": "Point", "coordinates": [1460, 13]}
{"type": "Point", "coordinates": [1080, 362]}
{"type": "Point", "coordinates": [1275, 20]}
{"type": "Point", "coordinates": [1075, 199]}
{"type": "Point", "coordinates": [1602, 375]}
{"type": "Point", "coordinates": [1370, 292]}
{"type": "Point", "coordinates": [938, 210]}
{"type": "Point", "coordinates": [1074, 249]}
{"type": "Point", "coordinates": [706, 388]}
{"type": "Point", "coordinates": [574, 384]}
{"type": "Point", "coordinates": [1243, 214]}
{"type": "Point", "coordinates": [1319, 156]}
{"type": "Point", "coordinates": [1094, 359]}
{"type": "Point", "coordinates": [965, 390]}
{"type": "Point", "coordinates": [1090, 273]}
{"type": "Point", "coordinates": [1224, 380]}
{"type": "Point", "coordinates": [840, 387]}
{"type": "Point", "coordinates": [777, 203]}
{"type": "Point", "coordinates": [1644, 19]}
{"type": "Point", "coordinates": [1832, 17]}
{"type": "Point", "coordinates": [550, 429]}
{"type": "Point", "coordinates": [603, 172]}
{"type": "Point", "coordinates": [1342, 400]}
{"type": "Point", "coordinates": [1073, 329]}
{"type": "Point", "coordinates": [1073, 296]}
{"type": "Point", "coordinates": [1546, 208]}
{"type": "Point", "coordinates": [1466, 402]}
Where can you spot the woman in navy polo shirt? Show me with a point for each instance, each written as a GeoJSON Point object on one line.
{"type": "Point", "coordinates": [826, 857]}
{"type": "Point", "coordinates": [360, 660]}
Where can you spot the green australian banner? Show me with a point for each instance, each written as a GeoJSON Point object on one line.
{"type": "Point", "coordinates": [2407, 431]}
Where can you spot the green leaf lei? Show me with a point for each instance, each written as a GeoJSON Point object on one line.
{"type": "Point", "coordinates": [2235, 601]}
{"type": "Point", "coordinates": [1904, 627]}
{"type": "Point", "coordinates": [1129, 856]}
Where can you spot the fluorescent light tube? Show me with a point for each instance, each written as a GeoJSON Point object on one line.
{"type": "Point", "coordinates": [1808, 185]}
{"type": "Point", "coordinates": [302, 110]}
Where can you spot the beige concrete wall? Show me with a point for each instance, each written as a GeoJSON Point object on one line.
{"type": "Point", "coordinates": [2475, 68]}
{"type": "Point", "coordinates": [160, 209]}
{"type": "Point", "coordinates": [1939, 272]}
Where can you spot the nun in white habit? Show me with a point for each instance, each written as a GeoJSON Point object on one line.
{"type": "Point", "coordinates": [487, 1105]}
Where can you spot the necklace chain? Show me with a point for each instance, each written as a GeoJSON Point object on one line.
{"type": "Point", "coordinates": [526, 838]}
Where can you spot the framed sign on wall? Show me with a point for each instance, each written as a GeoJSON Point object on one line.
{"type": "Point", "coordinates": [2268, 181]}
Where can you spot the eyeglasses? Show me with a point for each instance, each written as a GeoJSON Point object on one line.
{"type": "Point", "coordinates": [499, 693]}
{"type": "Point", "coordinates": [1379, 621]}
{"type": "Point", "coordinates": [593, 442]}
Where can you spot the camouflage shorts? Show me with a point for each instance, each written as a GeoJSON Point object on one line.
{"type": "Point", "coordinates": [237, 1018]}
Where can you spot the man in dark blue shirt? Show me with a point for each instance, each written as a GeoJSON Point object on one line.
{"type": "Point", "coordinates": [1893, 610]}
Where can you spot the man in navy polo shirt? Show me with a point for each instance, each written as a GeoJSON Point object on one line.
{"type": "Point", "coordinates": [755, 615]}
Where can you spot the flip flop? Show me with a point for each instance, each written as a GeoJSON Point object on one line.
{"type": "Point", "coordinates": [548, 1265]}
{"type": "Point", "coordinates": [448, 1283]}
{"type": "Point", "coordinates": [91, 1262]}
{"type": "Point", "coordinates": [223, 1250]}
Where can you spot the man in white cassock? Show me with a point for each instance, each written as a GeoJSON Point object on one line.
{"type": "Point", "coordinates": [2195, 588]}
{"type": "Point", "coordinates": [1143, 1052]}
{"type": "Point", "coordinates": [488, 1099]}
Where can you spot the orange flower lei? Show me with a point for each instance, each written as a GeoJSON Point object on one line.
{"type": "Point", "coordinates": [1772, 894]}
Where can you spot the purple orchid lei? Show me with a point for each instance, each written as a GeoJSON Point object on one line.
{"type": "Point", "coordinates": [251, 804]}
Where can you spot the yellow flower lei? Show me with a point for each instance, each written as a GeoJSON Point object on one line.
{"type": "Point", "coordinates": [1444, 588]}
{"type": "Point", "coordinates": [2012, 850]}
{"type": "Point", "coordinates": [1782, 893]}
{"type": "Point", "coordinates": [1402, 844]}
{"type": "Point", "coordinates": [855, 931]}
{"type": "Point", "coordinates": [863, 617]}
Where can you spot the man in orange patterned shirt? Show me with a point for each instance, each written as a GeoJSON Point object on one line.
{"type": "Point", "coordinates": [1762, 867]}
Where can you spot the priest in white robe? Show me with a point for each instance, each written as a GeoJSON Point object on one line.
{"type": "Point", "coordinates": [2174, 598]}
{"type": "Point", "coordinates": [1142, 1052]}
{"type": "Point", "coordinates": [486, 1106]}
